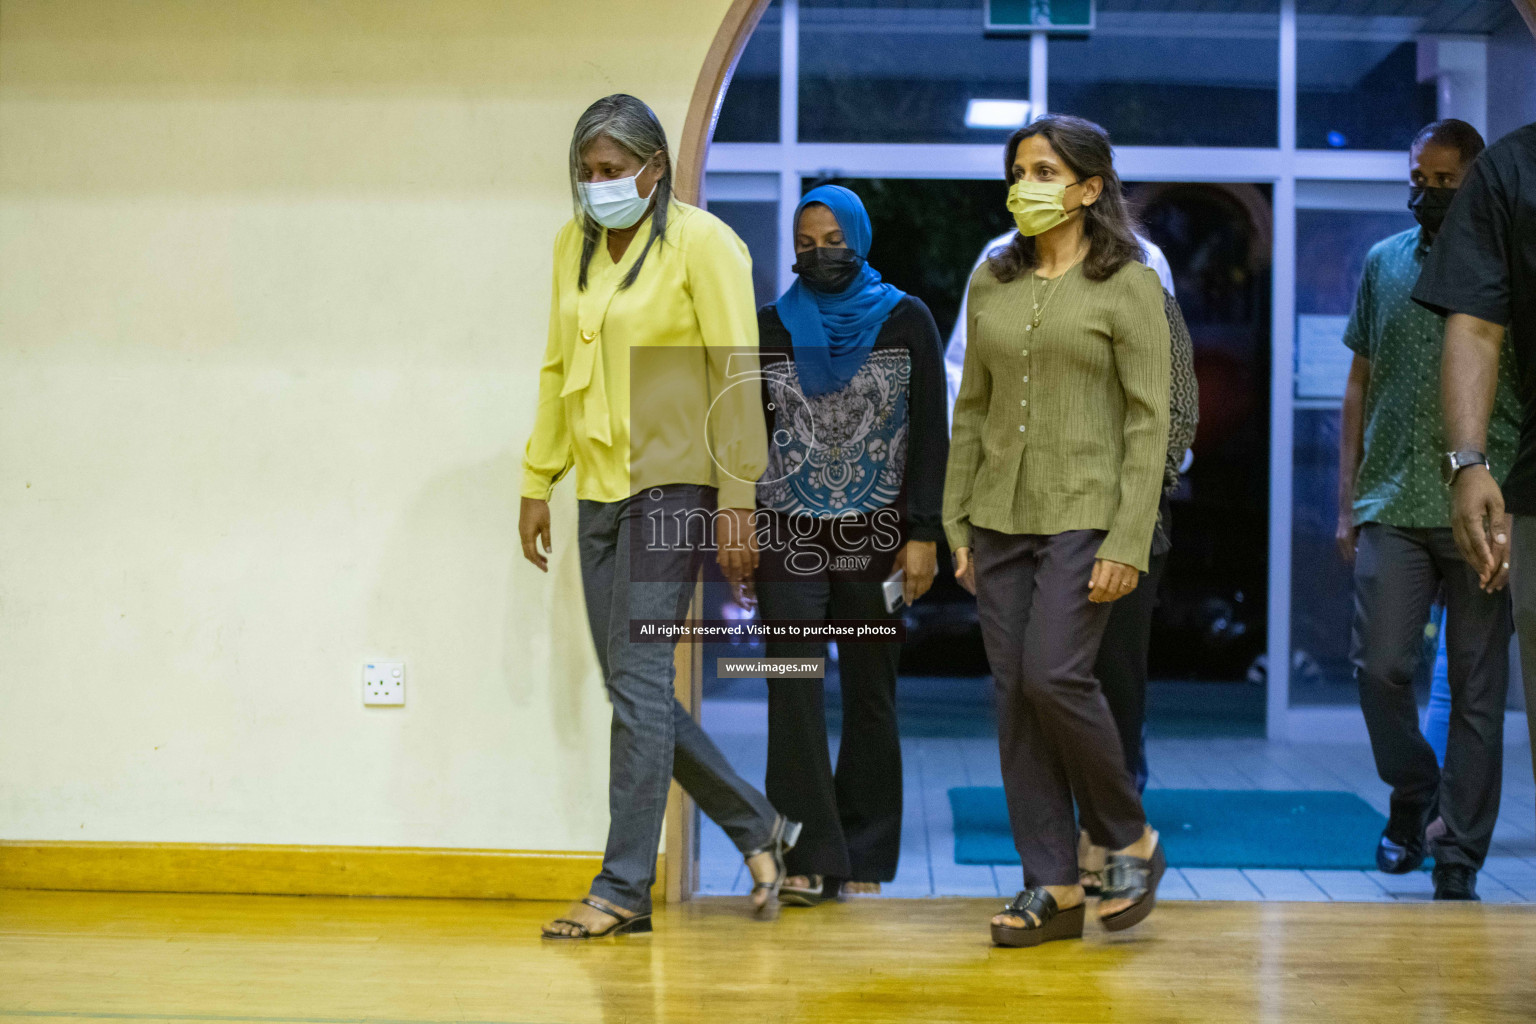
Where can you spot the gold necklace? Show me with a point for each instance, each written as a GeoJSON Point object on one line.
{"type": "Point", "coordinates": [1050, 291]}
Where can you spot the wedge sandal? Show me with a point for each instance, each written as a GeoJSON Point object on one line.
{"type": "Point", "coordinates": [1043, 920]}
{"type": "Point", "coordinates": [824, 891]}
{"type": "Point", "coordinates": [1134, 879]}
{"type": "Point", "coordinates": [639, 924]}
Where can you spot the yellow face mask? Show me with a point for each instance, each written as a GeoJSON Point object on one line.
{"type": "Point", "coordinates": [1037, 206]}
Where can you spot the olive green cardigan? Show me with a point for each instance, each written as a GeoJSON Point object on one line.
{"type": "Point", "coordinates": [1063, 427]}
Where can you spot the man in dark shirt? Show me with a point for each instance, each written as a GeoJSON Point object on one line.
{"type": "Point", "coordinates": [1482, 275]}
{"type": "Point", "coordinates": [1395, 524]}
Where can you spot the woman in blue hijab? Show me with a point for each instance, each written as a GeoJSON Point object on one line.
{"type": "Point", "coordinates": [853, 393]}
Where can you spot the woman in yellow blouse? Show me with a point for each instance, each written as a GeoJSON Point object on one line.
{"type": "Point", "coordinates": [635, 395]}
{"type": "Point", "coordinates": [1055, 470]}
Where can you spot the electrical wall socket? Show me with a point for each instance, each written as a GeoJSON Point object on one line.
{"type": "Point", "coordinates": [384, 682]}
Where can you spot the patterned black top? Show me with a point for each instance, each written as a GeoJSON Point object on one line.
{"type": "Point", "coordinates": [881, 441]}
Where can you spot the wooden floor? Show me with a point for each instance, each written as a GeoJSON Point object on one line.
{"type": "Point", "coordinates": [135, 957]}
{"type": "Point", "coordinates": [932, 765]}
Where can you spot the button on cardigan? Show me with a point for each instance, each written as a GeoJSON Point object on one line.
{"type": "Point", "coordinates": [656, 383]}
{"type": "Point", "coordinates": [1065, 426]}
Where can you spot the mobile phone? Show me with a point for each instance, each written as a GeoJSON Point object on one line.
{"type": "Point", "coordinates": [895, 590]}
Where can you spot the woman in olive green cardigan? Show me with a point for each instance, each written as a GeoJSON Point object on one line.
{"type": "Point", "coordinates": [1055, 468]}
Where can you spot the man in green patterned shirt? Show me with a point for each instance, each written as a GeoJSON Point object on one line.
{"type": "Point", "coordinates": [1395, 523]}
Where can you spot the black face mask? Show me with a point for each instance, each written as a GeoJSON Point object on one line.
{"type": "Point", "coordinates": [828, 270]}
{"type": "Point", "coordinates": [1428, 205]}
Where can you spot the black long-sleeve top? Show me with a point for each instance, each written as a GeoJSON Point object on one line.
{"type": "Point", "coordinates": [882, 440]}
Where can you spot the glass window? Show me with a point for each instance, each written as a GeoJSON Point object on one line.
{"type": "Point", "coordinates": [758, 225]}
{"type": "Point", "coordinates": [1370, 78]}
{"type": "Point", "coordinates": [929, 233]}
{"type": "Point", "coordinates": [883, 73]}
{"type": "Point", "coordinates": [1331, 247]}
{"type": "Point", "coordinates": [750, 110]}
{"type": "Point", "coordinates": [1179, 75]}
{"type": "Point", "coordinates": [1357, 83]}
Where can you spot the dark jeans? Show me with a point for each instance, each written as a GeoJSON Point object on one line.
{"type": "Point", "coordinates": [625, 575]}
{"type": "Point", "coordinates": [852, 819]}
{"type": "Point", "coordinates": [1522, 588]}
{"type": "Point", "coordinates": [1122, 666]}
{"type": "Point", "coordinates": [1397, 573]}
{"type": "Point", "coordinates": [1055, 733]}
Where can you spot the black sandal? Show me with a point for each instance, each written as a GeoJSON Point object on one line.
{"type": "Point", "coordinates": [783, 838]}
{"type": "Point", "coordinates": [1091, 881]}
{"type": "Point", "coordinates": [1043, 920]}
{"type": "Point", "coordinates": [1134, 879]}
{"type": "Point", "coordinates": [638, 924]}
{"type": "Point", "coordinates": [824, 891]}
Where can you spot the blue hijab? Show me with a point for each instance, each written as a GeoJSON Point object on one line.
{"type": "Point", "coordinates": [832, 334]}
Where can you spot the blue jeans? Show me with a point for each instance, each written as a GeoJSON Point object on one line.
{"type": "Point", "coordinates": [1437, 716]}
{"type": "Point", "coordinates": [626, 574]}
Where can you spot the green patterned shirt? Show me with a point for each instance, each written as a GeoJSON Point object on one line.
{"type": "Point", "coordinates": [1399, 479]}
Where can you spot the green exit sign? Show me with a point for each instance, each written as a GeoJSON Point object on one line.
{"type": "Point", "coordinates": [1039, 15]}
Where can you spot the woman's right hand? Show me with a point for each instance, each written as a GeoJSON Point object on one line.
{"type": "Point", "coordinates": [965, 569]}
{"type": "Point", "coordinates": [533, 525]}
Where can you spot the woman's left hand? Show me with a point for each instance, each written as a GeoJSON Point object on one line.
{"type": "Point", "coordinates": [919, 559]}
{"type": "Point", "coordinates": [1111, 581]}
{"type": "Point", "coordinates": [744, 595]}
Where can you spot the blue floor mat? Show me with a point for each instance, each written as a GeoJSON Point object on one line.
{"type": "Point", "coordinates": [1207, 828]}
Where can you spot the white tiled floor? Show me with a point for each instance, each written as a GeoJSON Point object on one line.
{"type": "Point", "coordinates": [934, 765]}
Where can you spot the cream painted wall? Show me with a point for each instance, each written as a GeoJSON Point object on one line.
{"type": "Point", "coordinates": [273, 288]}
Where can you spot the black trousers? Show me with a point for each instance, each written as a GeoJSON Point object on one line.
{"type": "Point", "coordinates": [1121, 667]}
{"type": "Point", "coordinates": [1397, 573]}
{"type": "Point", "coordinates": [1522, 592]}
{"type": "Point", "coordinates": [851, 817]}
{"type": "Point", "coordinates": [1056, 737]}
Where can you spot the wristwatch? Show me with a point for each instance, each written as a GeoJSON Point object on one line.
{"type": "Point", "coordinates": [1455, 462]}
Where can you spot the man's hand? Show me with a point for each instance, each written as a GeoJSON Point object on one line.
{"type": "Point", "coordinates": [965, 570]}
{"type": "Point", "coordinates": [1347, 536]}
{"type": "Point", "coordinates": [1501, 544]}
{"type": "Point", "coordinates": [1479, 523]}
{"type": "Point", "coordinates": [533, 525]}
{"type": "Point", "coordinates": [736, 544]}
{"type": "Point", "coordinates": [919, 560]}
{"type": "Point", "coordinates": [1111, 581]}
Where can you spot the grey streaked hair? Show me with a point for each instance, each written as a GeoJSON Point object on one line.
{"type": "Point", "coordinates": [634, 128]}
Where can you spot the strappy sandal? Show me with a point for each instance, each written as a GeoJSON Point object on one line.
{"type": "Point", "coordinates": [1043, 920]}
{"type": "Point", "coordinates": [783, 838]}
{"type": "Point", "coordinates": [808, 895]}
{"type": "Point", "coordinates": [1091, 879]}
{"type": "Point", "coordinates": [639, 924]}
{"type": "Point", "coordinates": [1135, 879]}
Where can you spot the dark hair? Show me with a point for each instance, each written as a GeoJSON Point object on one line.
{"type": "Point", "coordinates": [1448, 131]}
{"type": "Point", "coordinates": [634, 128]}
{"type": "Point", "coordinates": [1108, 225]}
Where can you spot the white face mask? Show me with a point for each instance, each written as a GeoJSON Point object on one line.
{"type": "Point", "coordinates": [615, 204]}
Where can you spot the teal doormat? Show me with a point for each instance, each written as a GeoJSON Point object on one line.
{"type": "Point", "coordinates": [1207, 828]}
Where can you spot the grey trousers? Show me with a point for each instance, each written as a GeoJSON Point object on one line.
{"type": "Point", "coordinates": [1522, 587]}
{"type": "Point", "coordinates": [1056, 736]}
{"type": "Point", "coordinates": [627, 574]}
{"type": "Point", "coordinates": [1397, 573]}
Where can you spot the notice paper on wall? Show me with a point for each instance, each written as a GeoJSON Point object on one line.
{"type": "Point", "coordinates": [1322, 359]}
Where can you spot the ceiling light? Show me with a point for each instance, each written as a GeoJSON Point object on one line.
{"type": "Point", "coordinates": [996, 113]}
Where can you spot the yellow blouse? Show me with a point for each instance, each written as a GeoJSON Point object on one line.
{"type": "Point", "coordinates": [656, 383]}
